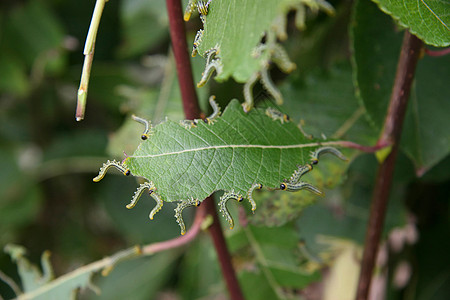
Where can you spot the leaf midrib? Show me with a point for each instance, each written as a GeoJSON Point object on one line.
{"type": "Point", "coordinates": [296, 146]}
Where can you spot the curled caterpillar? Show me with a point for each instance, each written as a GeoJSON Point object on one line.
{"type": "Point", "coordinates": [294, 184]}
{"type": "Point", "coordinates": [248, 92]}
{"type": "Point", "coordinates": [294, 187]}
{"type": "Point", "coordinates": [212, 64]}
{"type": "Point", "coordinates": [277, 115]}
{"type": "Point", "coordinates": [197, 41]}
{"type": "Point", "coordinates": [216, 111]}
{"type": "Point", "coordinates": [223, 205]}
{"type": "Point", "coordinates": [109, 164]}
{"type": "Point", "coordinates": [201, 6]}
{"type": "Point", "coordinates": [179, 212]}
{"type": "Point", "coordinates": [250, 194]}
{"type": "Point", "coordinates": [147, 124]}
{"type": "Point", "coordinates": [315, 155]}
{"type": "Point", "coordinates": [270, 86]}
{"type": "Point", "coordinates": [151, 191]}
{"type": "Point", "coordinates": [302, 170]}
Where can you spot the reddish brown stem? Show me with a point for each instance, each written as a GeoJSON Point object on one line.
{"type": "Point", "coordinates": [182, 60]}
{"type": "Point", "coordinates": [192, 111]}
{"type": "Point", "coordinates": [222, 252]}
{"type": "Point", "coordinates": [391, 133]}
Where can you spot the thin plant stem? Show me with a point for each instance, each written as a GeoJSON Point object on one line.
{"type": "Point", "coordinates": [192, 111]}
{"type": "Point", "coordinates": [88, 58]}
{"type": "Point", "coordinates": [409, 56]}
{"type": "Point", "coordinates": [182, 60]}
{"type": "Point", "coordinates": [441, 52]}
{"type": "Point", "coordinates": [190, 235]}
{"type": "Point", "coordinates": [226, 265]}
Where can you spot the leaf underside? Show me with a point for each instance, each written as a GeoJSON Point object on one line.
{"type": "Point", "coordinates": [235, 152]}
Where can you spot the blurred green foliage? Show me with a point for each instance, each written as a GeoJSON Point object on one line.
{"type": "Point", "coordinates": [49, 202]}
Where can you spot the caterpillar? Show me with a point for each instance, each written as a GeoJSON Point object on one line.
{"type": "Point", "coordinates": [270, 86]}
{"type": "Point", "coordinates": [315, 154]}
{"type": "Point", "coordinates": [212, 64]}
{"type": "Point", "coordinates": [201, 6]}
{"type": "Point", "coordinates": [197, 41]}
{"type": "Point", "coordinates": [216, 110]}
{"type": "Point", "coordinates": [179, 210]}
{"type": "Point", "coordinates": [302, 170]}
{"type": "Point", "coordinates": [248, 92]}
{"type": "Point", "coordinates": [277, 115]}
{"type": "Point", "coordinates": [109, 164]}
{"type": "Point", "coordinates": [151, 191]}
{"type": "Point", "coordinates": [294, 184]}
{"type": "Point", "coordinates": [147, 124]}
{"type": "Point", "coordinates": [223, 205]}
{"type": "Point", "coordinates": [250, 194]}
{"type": "Point", "coordinates": [264, 77]}
{"type": "Point", "coordinates": [294, 187]}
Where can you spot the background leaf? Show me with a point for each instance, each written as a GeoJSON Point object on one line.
{"type": "Point", "coordinates": [428, 19]}
{"type": "Point", "coordinates": [144, 276]}
{"type": "Point", "coordinates": [270, 257]}
{"type": "Point", "coordinates": [376, 47]}
{"type": "Point", "coordinates": [325, 102]}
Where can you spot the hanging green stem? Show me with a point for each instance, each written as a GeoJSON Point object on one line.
{"type": "Point", "coordinates": [88, 58]}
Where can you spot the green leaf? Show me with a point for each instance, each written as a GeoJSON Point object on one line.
{"type": "Point", "coordinates": [428, 19]}
{"type": "Point", "coordinates": [344, 214]}
{"type": "Point", "coordinates": [255, 286]}
{"type": "Point", "coordinates": [30, 275]}
{"type": "Point", "coordinates": [142, 277]}
{"type": "Point", "coordinates": [235, 152]}
{"type": "Point", "coordinates": [276, 259]}
{"type": "Point", "coordinates": [199, 272]}
{"type": "Point", "coordinates": [43, 286]}
{"type": "Point", "coordinates": [376, 47]}
{"type": "Point", "coordinates": [236, 29]}
{"type": "Point", "coordinates": [425, 137]}
{"type": "Point", "coordinates": [325, 101]}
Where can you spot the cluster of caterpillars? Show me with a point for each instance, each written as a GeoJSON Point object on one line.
{"type": "Point", "coordinates": [276, 54]}
{"type": "Point", "coordinates": [293, 184]}
{"type": "Point", "coordinates": [213, 63]}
